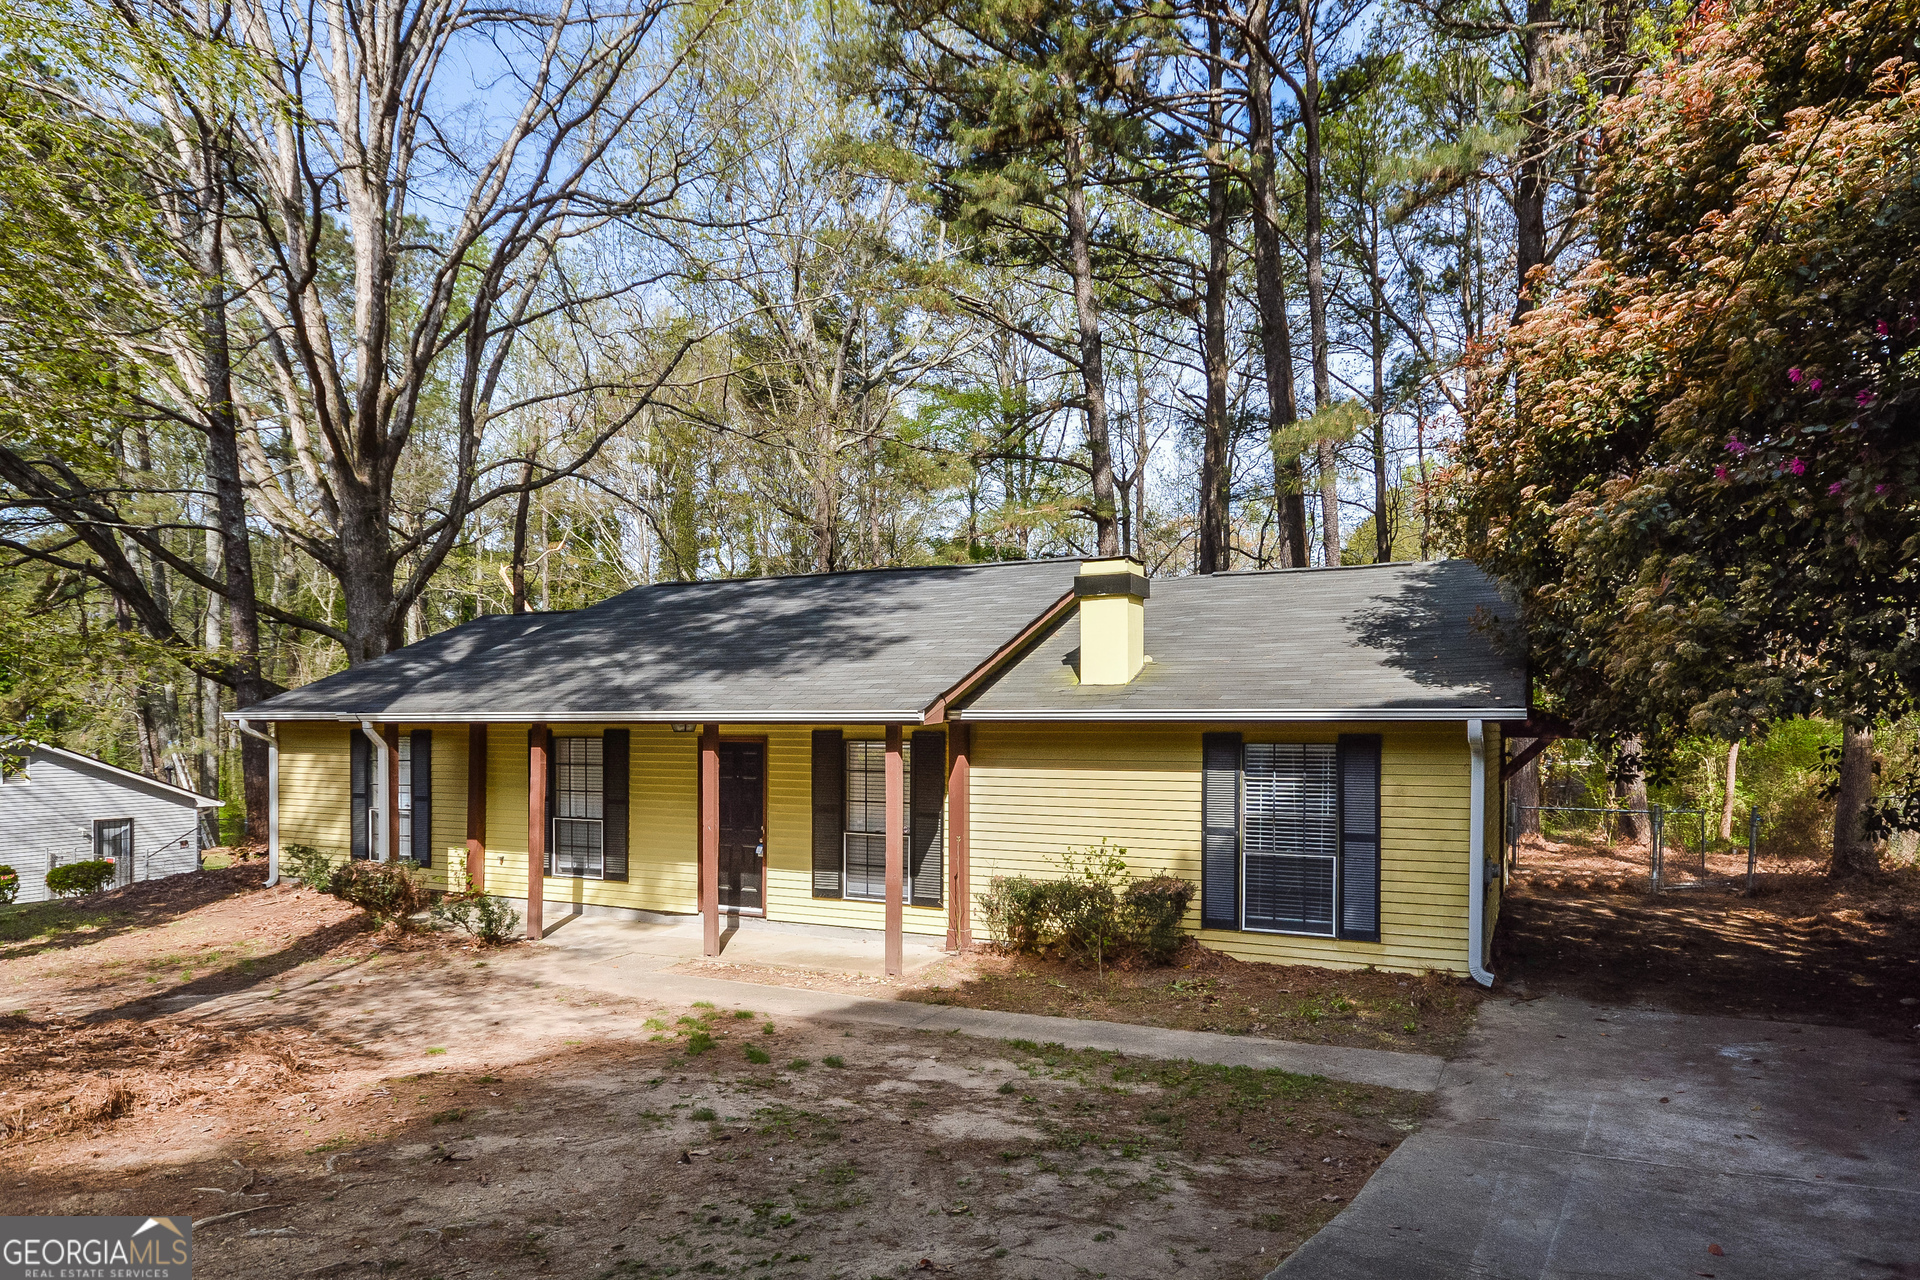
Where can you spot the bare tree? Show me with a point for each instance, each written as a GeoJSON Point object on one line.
{"type": "Point", "coordinates": [410, 278]}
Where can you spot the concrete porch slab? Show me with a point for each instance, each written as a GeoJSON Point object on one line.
{"type": "Point", "coordinates": [642, 943]}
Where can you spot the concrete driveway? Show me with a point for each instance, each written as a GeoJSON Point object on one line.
{"type": "Point", "coordinates": [1575, 1140]}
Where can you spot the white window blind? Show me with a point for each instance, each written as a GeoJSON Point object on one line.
{"type": "Point", "coordinates": [1292, 831]}
{"type": "Point", "coordinates": [403, 847]}
{"type": "Point", "coordinates": [579, 799]}
{"type": "Point", "coordinates": [866, 831]}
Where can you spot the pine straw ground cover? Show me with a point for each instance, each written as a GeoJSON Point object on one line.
{"type": "Point", "coordinates": [1578, 918]}
{"type": "Point", "coordinates": [422, 1112]}
{"type": "Point", "coordinates": [1205, 990]}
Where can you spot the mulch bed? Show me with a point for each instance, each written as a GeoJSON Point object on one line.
{"type": "Point", "coordinates": [1206, 990]}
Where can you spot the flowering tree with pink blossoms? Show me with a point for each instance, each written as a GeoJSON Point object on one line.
{"type": "Point", "coordinates": [1705, 477]}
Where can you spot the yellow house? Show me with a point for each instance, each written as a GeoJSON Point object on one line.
{"type": "Point", "coordinates": [1318, 749]}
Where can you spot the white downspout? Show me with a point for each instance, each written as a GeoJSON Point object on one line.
{"type": "Point", "coordinates": [1477, 854]}
{"type": "Point", "coordinates": [272, 739]}
{"type": "Point", "coordinates": [376, 795]}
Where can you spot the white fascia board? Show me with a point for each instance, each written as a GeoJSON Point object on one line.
{"type": "Point", "coordinates": [599, 717]}
{"type": "Point", "coordinates": [141, 779]}
{"type": "Point", "coordinates": [1212, 715]}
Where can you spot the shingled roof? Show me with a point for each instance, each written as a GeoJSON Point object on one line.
{"type": "Point", "coordinates": [1391, 641]}
{"type": "Point", "coordinates": [1400, 641]}
{"type": "Point", "coordinates": [875, 646]}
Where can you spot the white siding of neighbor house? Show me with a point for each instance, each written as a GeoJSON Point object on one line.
{"type": "Point", "coordinates": [47, 816]}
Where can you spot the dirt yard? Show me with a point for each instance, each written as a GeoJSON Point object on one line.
{"type": "Point", "coordinates": [328, 1101]}
{"type": "Point", "coordinates": [1578, 918]}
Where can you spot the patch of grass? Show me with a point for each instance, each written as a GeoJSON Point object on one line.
{"type": "Point", "coordinates": [834, 1060]}
{"type": "Point", "coordinates": [745, 1015]}
{"type": "Point", "coordinates": [698, 1042]}
{"type": "Point", "coordinates": [704, 1114]}
{"type": "Point", "coordinates": [1006, 1086]}
{"type": "Point", "coordinates": [798, 1064]}
{"type": "Point", "coordinates": [758, 1057]}
{"type": "Point", "coordinates": [434, 1053]}
{"type": "Point", "coordinates": [449, 1117]}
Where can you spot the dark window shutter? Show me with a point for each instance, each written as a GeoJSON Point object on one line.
{"type": "Point", "coordinates": [361, 773]}
{"type": "Point", "coordinates": [829, 811]}
{"type": "Point", "coordinates": [1220, 830]}
{"type": "Point", "coordinates": [613, 801]}
{"type": "Point", "coordinates": [1360, 836]}
{"type": "Point", "coordinates": [546, 802]}
{"type": "Point", "coordinates": [420, 757]}
{"type": "Point", "coordinates": [927, 842]}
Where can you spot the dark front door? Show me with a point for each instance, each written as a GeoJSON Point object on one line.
{"type": "Point", "coordinates": [743, 825]}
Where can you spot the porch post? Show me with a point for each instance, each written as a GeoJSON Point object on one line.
{"type": "Point", "coordinates": [896, 859]}
{"type": "Point", "coordinates": [710, 838]}
{"type": "Point", "coordinates": [536, 830]}
{"type": "Point", "coordinates": [391, 735]}
{"type": "Point", "coordinates": [959, 873]}
{"type": "Point", "coordinates": [476, 806]}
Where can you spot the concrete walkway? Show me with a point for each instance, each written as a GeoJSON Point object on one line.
{"type": "Point", "coordinates": [632, 960]}
{"type": "Point", "coordinates": [1580, 1141]}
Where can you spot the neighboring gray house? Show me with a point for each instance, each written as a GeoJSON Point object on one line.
{"type": "Point", "coordinates": [59, 807]}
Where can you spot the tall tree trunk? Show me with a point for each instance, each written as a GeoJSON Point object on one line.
{"type": "Point", "coordinates": [1853, 853]}
{"type": "Point", "coordinates": [1382, 517]}
{"type": "Point", "coordinates": [1092, 371]}
{"type": "Point", "coordinates": [1726, 802]}
{"type": "Point", "coordinates": [1635, 826]}
{"type": "Point", "coordinates": [1215, 454]}
{"type": "Point", "coordinates": [230, 507]}
{"type": "Point", "coordinates": [1526, 795]}
{"type": "Point", "coordinates": [517, 568]}
{"type": "Point", "coordinates": [1326, 452]}
{"type": "Point", "coordinates": [1530, 184]}
{"type": "Point", "coordinates": [1276, 340]}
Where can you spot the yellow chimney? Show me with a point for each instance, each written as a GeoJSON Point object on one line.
{"type": "Point", "coordinates": [1113, 619]}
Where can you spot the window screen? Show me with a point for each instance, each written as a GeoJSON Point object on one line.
{"type": "Point", "coordinates": [579, 790]}
{"type": "Point", "coordinates": [1291, 837]}
{"type": "Point", "coordinates": [403, 847]}
{"type": "Point", "coordinates": [866, 835]}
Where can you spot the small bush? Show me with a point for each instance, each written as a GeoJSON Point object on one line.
{"type": "Point", "coordinates": [491, 920]}
{"type": "Point", "coordinates": [310, 866]}
{"type": "Point", "coordinates": [9, 885]}
{"type": "Point", "coordinates": [387, 891]}
{"type": "Point", "coordinates": [1095, 913]}
{"type": "Point", "coordinates": [80, 877]}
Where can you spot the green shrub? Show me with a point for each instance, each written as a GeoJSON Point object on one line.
{"type": "Point", "coordinates": [9, 885]}
{"type": "Point", "coordinates": [492, 920]}
{"type": "Point", "coordinates": [387, 891]}
{"type": "Point", "coordinates": [1094, 913]}
{"type": "Point", "coordinates": [80, 877]}
{"type": "Point", "coordinates": [310, 866]}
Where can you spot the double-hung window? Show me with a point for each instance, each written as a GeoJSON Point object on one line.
{"type": "Point", "coordinates": [579, 812]}
{"type": "Point", "coordinates": [403, 846]}
{"type": "Point", "coordinates": [1291, 836]}
{"type": "Point", "coordinates": [866, 823]}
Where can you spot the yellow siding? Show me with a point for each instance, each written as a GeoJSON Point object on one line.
{"type": "Point", "coordinates": [449, 816]}
{"type": "Point", "coordinates": [316, 787]}
{"type": "Point", "coordinates": [1039, 789]}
